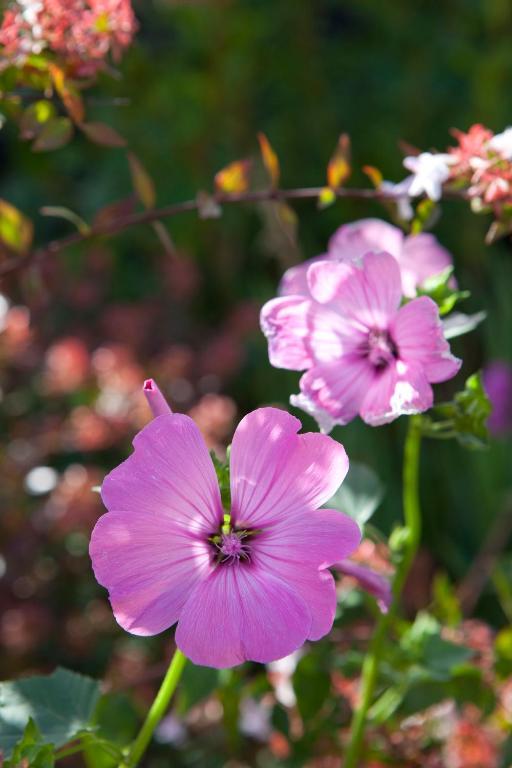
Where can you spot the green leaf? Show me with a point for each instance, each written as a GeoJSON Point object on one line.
{"type": "Point", "coordinates": [115, 721]}
{"type": "Point", "coordinates": [312, 685]}
{"type": "Point", "coordinates": [457, 324]}
{"type": "Point", "coordinates": [56, 133]}
{"type": "Point", "coordinates": [427, 213]}
{"type": "Point", "coordinates": [35, 117]}
{"type": "Point", "coordinates": [446, 605]}
{"type": "Point", "coordinates": [31, 750]}
{"type": "Point", "coordinates": [503, 650]}
{"type": "Point", "coordinates": [438, 288]}
{"type": "Point", "coordinates": [16, 230]}
{"type": "Point", "coordinates": [473, 411]}
{"type": "Point", "coordinates": [360, 494]}
{"type": "Point", "coordinates": [465, 418]}
{"type": "Point", "coordinates": [61, 705]}
{"type": "Point", "coordinates": [386, 705]}
{"type": "Point", "coordinates": [58, 211]}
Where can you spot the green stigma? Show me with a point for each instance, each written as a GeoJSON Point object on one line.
{"type": "Point", "coordinates": [226, 525]}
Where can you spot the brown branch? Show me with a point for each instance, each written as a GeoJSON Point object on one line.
{"type": "Point", "coordinates": [155, 214]}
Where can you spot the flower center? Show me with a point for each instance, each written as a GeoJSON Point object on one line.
{"type": "Point", "coordinates": [231, 546]}
{"type": "Point", "coordinates": [381, 349]}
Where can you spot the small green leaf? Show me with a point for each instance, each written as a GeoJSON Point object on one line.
{"type": "Point", "coordinates": [360, 494]}
{"type": "Point", "coordinates": [31, 751]}
{"type": "Point", "coordinates": [465, 418]}
{"type": "Point", "coordinates": [438, 288]}
{"type": "Point", "coordinates": [427, 213]}
{"type": "Point", "coordinates": [60, 704]}
{"type": "Point", "coordinates": [55, 133]}
{"type": "Point", "coordinates": [457, 324]}
{"type": "Point", "coordinates": [16, 230]}
{"type": "Point", "coordinates": [35, 117]}
{"type": "Point", "coordinates": [60, 212]}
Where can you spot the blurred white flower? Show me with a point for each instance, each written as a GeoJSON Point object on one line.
{"type": "Point", "coordinates": [401, 193]}
{"type": "Point", "coordinates": [502, 143]}
{"type": "Point", "coordinates": [430, 171]}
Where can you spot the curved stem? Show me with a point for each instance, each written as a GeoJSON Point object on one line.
{"type": "Point", "coordinates": [412, 515]}
{"type": "Point", "coordinates": [158, 709]}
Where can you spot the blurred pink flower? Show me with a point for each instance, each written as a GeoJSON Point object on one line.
{"type": "Point", "coordinates": [498, 385]}
{"type": "Point", "coordinates": [471, 745]}
{"type": "Point", "coordinates": [81, 32]}
{"type": "Point", "coordinates": [473, 144]}
{"type": "Point", "coordinates": [67, 366]}
{"type": "Point", "coordinates": [419, 256]}
{"type": "Point", "coordinates": [250, 584]}
{"type": "Point", "coordinates": [361, 351]}
{"type": "Point", "coordinates": [370, 581]}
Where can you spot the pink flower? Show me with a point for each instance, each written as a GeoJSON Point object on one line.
{"type": "Point", "coordinates": [419, 256]}
{"type": "Point", "coordinates": [250, 583]}
{"type": "Point", "coordinates": [473, 144]}
{"type": "Point", "coordinates": [370, 581]}
{"type": "Point", "coordinates": [361, 351]}
{"type": "Point", "coordinates": [498, 385]}
{"type": "Point", "coordinates": [81, 32]}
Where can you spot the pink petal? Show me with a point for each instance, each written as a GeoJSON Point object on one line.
{"type": "Point", "coordinates": [338, 388]}
{"type": "Point", "coordinates": [241, 613]}
{"type": "Point", "coordinates": [353, 241]}
{"type": "Point", "coordinates": [149, 566]}
{"type": "Point", "coordinates": [418, 334]}
{"type": "Point", "coordinates": [422, 257]}
{"type": "Point", "coordinates": [156, 401]}
{"type": "Point", "coordinates": [318, 590]}
{"type": "Point", "coordinates": [372, 582]}
{"type": "Point", "coordinates": [399, 390]}
{"type": "Point", "coordinates": [294, 281]}
{"type": "Point", "coordinates": [317, 539]}
{"type": "Point", "coordinates": [300, 331]}
{"type": "Point", "coordinates": [368, 297]}
{"type": "Point", "coordinates": [170, 473]}
{"type": "Point", "coordinates": [275, 473]}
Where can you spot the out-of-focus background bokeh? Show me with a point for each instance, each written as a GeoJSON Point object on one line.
{"type": "Point", "coordinates": [80, 332]}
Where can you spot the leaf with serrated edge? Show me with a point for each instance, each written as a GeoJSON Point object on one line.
{"type": "Point", "coordinates": [60, 704]}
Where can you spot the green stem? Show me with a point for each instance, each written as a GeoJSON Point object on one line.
{"type": "Point", "coordinates": [412, 515]}
{"type": "Point", "coordinates": [158, 709]}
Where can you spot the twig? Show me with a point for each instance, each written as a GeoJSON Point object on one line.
{"type": "Point", "coordinates": [149, 216]}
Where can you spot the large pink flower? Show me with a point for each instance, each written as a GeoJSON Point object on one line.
{"type": "Point", "coordinates": [419, 256]}
{"type": "Point", "coordinates": [361, 351]}
{"type": "Point", "coordinates": [250, 586]}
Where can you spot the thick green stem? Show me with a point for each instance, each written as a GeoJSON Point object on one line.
{"type": "Point", "coordinates": [412, 515]}
{"type": "Point", "coordinates": [157, 711]}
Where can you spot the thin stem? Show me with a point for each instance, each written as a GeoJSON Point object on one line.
{"type": "Point", "coordinates": [158, 709]}
{"type": "Point", "coordinates": [412, 515]}
{"type": "Point", "coordinates": [155, 214]}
